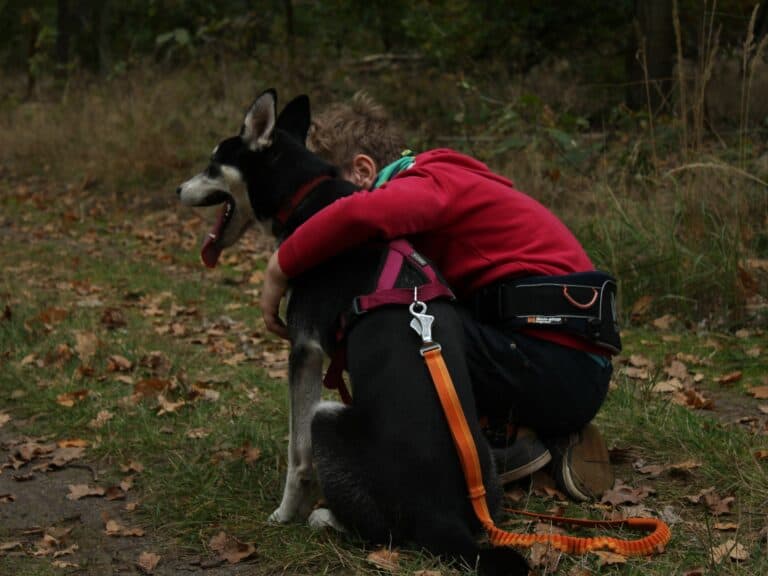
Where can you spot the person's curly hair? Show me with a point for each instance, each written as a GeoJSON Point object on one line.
{"type": "Point", "coordinates": [360, 126]}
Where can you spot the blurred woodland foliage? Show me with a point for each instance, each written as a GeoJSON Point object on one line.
{"type": "Point", "coordinates": [642, 123]}
{"type": "Point", "coordinates": [602, 37]}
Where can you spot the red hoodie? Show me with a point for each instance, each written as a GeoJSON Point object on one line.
{"type": "Point", "coordinates": [473, 225]}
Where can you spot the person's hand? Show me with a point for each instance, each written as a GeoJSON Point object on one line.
{"type": "Point", "coordinates": [274, 288]}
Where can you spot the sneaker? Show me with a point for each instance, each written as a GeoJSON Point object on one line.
{"type": "Point", "coordinates": [580, 464]}
{"type": "Point", "coordinates": [521, 458]}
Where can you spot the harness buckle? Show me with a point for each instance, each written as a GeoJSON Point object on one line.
{"type": "Point", "coordinates": [429, 348]}
{"type": "Point", "coordinates": [421, 321]}
{"type": "Point", "coordinates": [356, 306]}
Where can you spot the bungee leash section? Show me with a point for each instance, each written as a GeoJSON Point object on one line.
{"type": "Point", "coordinates": [653, 543]}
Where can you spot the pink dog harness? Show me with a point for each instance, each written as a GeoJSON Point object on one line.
{"type": "Point", "coordinates": [400, 252]}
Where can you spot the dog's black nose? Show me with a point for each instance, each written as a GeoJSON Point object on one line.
{"type": "Point", "coordinates": [178, 191]}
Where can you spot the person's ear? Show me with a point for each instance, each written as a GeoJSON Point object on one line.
{"type": "Point", "coordinates": [363, 171]}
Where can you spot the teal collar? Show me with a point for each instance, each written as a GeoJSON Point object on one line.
{"type": "Point", "coordinates": [390, 170]}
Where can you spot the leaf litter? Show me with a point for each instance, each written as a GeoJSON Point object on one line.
{"type": "Point", "coordinates": [235, 344]}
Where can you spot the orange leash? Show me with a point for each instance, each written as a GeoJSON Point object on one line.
{"type": "Point", "coordinates": [470, 463]}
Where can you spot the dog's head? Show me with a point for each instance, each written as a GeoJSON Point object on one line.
{"type": "Point", "coordinates": [242, 175]}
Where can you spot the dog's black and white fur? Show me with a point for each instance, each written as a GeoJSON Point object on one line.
{"type": "Point", "coordinates": [387, 465]}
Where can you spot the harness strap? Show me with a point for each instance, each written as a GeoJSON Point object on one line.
{"type": "Point", "coordinates": [334, 376]}
{"type": "Point", "coordinates": [385, 294]}
{"type": "Point", "coordinates": [470, 463]}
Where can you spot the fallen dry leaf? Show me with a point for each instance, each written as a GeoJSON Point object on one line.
{"type": "Point", "coordinates": [684, 468]}
{"type": "Point", "coordinates": [197, 433]}
{"type": "Point", "coordinates": [545, 557]}
{"type": "Point", "coordinates": [133, 466]}
{"type": "Point", "coordinates": [117, 363]}
{"type": "Point", "coordinates": [693, 359]}
{"type": "Point", "coordinates": [641, 307]}
{"type": "Point", "coordinates": [114, 493]}
{"type": "Point", "coordinates": [384, 558]}
{"type": "Point", "coordinates": [665, 322]}
{"type": "Point", "coordinates": [147, 562]}
{"type": "Point", "coordinates": [4, 418]}
{"type": "Point", "coordinates": [652, 470]}
{"type": "Point", "coordinates": [113, 318]}
{"type": "Point", "coordinates": [677, 369]}
{"type": "Point", "coordinates": [692, 398]}
{"type": "Point", "coordinates": [31, 359]}
{"type": "Point", "coordinates": [754, 352]}
{"type": "Point", "coordinates": [167, 406]}
{"type": "Point", "coordinates": [713, 501]}
{"type": "Point", "coordinates": [151, 386]}
{"type": "Point", "coordinates": [665, 386]}
{"type": "Point", "coordinates": [68, 399]}
{"type": "Point", "coordinates": [639, 361]}
{"type": "Point", "coordinates": [230, 548]}
{"type": "Point", "coordinates": [637, 373]}
{"type": "Point", "coordinates": [726, 526]}
{"type": "Point", "coordinates": [32, 449]}
{"type": "Point", "coordinates": [204, 393]}
{"type": "Point", "coordinates": [114, 528]}
{"type": "Point", "coordinates": [731, 550]}
{"type": "Point", "coordinates": [78, 491]}
{"type": "Point", "coordinates": [64, 564]}
{"type": "Point", "coordinates": [543, 485]}
{"type": "Point", "coordinates": [759, 392]}
{"type": "Point", "coordinates": [610, 558]}
{"type": "Point", "coordinates": [730, 378]}
{"type": "Point", "coordinates": [72, 443]}
{"type": "Point", "coordinates": [86, 344]}
{"type": "Point", "coordinates": [52, 316]}
{"type": "Point", "coordinates": [427, 573]}
{"type": "Point", "coordinates": [101, 419]}
{"type": "Point", "coordinates": [624, 494]}
{"type": "Point", "coordinates": [7, 498]}
{"type": "Point", "coordinates": [6, 546]}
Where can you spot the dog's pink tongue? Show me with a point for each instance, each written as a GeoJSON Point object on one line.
{"type": "Point", "coordinates": [211, 250]}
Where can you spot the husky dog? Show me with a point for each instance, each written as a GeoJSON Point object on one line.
{"type": "Point", "coordinates": [386, 464]}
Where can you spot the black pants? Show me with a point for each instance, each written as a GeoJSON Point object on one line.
{"type": "Point", "coordinates": [553, 389]}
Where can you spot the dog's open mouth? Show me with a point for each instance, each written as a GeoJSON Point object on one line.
{"type": "Point", "coordinates": [212, 246]}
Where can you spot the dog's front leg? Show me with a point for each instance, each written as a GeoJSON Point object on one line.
{"type": "Point", "coordinates": [305, 383]}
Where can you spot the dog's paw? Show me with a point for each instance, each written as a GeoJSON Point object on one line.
{"type": "Point", "coordinates": [323, 518]}
{"type": "Point", "coordinates": [278, 517]}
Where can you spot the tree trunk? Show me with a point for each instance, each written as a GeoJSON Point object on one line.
{"type": "Point", "coordinates": [63, 33]}
{"type": "Point", "coordinates": [651, 57]}
{"type": "Point", "coordinates": [103, 38]}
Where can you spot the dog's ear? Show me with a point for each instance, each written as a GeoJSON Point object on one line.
{"type": "Point", "coordinates": [259, 121]}
{"type": "Point", "coordinates": [295, 118]}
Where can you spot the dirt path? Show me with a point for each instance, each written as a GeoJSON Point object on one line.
{"type": "Point", "coordinates": [45, 523]}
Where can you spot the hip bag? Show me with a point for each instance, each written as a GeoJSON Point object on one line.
{"type": "Point", "coordinates": [582, 304]}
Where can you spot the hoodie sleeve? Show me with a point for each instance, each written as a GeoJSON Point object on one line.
{"type": "Point", "coordinates": [412, 203]}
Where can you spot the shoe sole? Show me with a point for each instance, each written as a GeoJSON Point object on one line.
{"type": "Point", "coordinates": [525, 470]}
{"type": "Point", "coordinates": [588, 473]}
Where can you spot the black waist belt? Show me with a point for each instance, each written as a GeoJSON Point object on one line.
{"type": "Point", "coordinates": [582, 304]}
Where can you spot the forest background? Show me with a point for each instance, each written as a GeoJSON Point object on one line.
{"type": "Point", "coordinates": [642, 124]}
